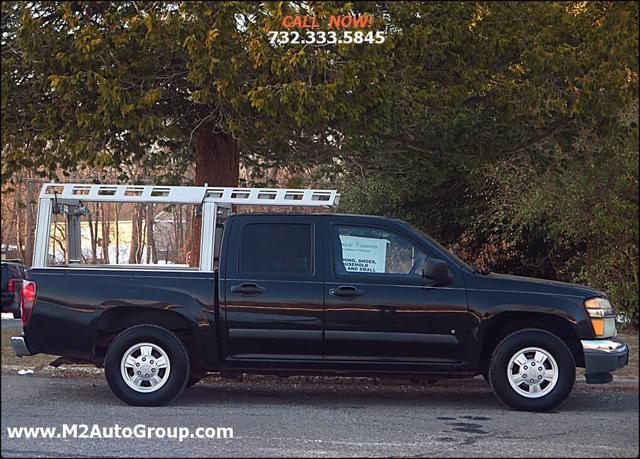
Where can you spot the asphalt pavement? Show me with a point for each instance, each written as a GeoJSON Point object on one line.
{"type": "Point", "coordinates": [325, 417]}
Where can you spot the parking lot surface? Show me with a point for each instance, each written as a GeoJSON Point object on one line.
{"type": "Point", "coordinates": [325, 417]}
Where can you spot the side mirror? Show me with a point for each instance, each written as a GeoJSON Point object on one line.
{"type": "Point", "coordinates": [437, 271]}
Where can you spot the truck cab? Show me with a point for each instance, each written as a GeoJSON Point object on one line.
{"type": "Point", "coordinates": [340, 288]}
{"type": "Point", "coordinates": [310, 293]}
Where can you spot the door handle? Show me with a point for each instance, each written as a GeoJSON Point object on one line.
{"type": "Point", "coordinates": [247, 288]}
{"type": "Point", "coordinates": [345, 290]}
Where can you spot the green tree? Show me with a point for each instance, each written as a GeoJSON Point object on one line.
{"type": "Point", "coordinates": [104, 82]}
{"type": "Point", "coordinates": [513, 141]}
{"type": "Point", "coordinates": [577, 219]}
{"type": "Point", "coordinates": [179, 83]}
{"type": "Point", "coordinates": [481, 122]}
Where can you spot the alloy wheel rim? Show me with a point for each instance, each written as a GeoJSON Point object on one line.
{"type": "Point", "coordinates": [145, 367]}
{"type": "Point", "coordinates": [532, 372]}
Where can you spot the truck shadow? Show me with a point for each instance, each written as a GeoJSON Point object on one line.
{"type": "Point", "coordinates": [336, 397]}
{"type": "Point", "coordinates": [332, 393]}
{"type": "Point", "coordinates": [474, 394]}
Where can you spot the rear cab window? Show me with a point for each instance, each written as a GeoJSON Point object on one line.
{"type": "Point", "coordinates": [278, 247]}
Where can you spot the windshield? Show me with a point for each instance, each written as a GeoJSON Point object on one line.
{"type": "Point", "coordinates": [444, 249]}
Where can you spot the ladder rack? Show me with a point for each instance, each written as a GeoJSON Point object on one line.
{"type": "Point", "coordinates": [72, 193]}
{"type": "Point", "coordinates": [210, 199]}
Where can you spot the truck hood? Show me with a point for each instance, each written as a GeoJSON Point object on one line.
{"type": "Point", "coordinates": [506, 282]}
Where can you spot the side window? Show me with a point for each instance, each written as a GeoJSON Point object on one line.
{"type": "Point", "coordinates": [276, 248]}
{"type": "Point", "coordinates": [374, 250]}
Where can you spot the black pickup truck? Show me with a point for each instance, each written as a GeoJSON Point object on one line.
{"type": "Point", "coordinates": [322, 294]}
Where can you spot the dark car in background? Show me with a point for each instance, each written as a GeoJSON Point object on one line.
{"type": "Point", "coordinates": [12, 274]}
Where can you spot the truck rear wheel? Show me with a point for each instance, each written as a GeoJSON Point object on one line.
{"type": "Point", "coordinates": [147, 365]}
{"type": "Point", "coordinates": [532, 370]}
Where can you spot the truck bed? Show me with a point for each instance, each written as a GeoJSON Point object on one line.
{"type": "Point", "coordinates": [79, 305]}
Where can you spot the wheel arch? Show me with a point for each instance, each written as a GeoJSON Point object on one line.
{"type": "Point", "coordinates": [503, 324]}
{"type": "Point", "coordinates": [115, 320]}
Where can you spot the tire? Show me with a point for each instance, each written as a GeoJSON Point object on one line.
{"type": "Point", "coordinates": [485, 375]}
{"type": "Point", "coordinates": [552, 376]}
{"type": "Point", "coordinates": [166, 361]}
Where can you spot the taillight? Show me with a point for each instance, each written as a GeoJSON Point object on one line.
{"type": "Point", "coordinates": [27, 299]}
{"type": "Point", "coordinates": [12, 286]}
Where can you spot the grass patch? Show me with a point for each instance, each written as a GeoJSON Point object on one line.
{"type": "Point", "coordinates": [9, 357]}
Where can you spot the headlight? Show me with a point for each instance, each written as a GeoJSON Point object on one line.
{"type": "Point", "coordinates": [602, 316]}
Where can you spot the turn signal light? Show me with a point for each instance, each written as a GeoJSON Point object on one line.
{"type": "Point", "coordinates": [603, 317]}
{"type": "Point", "coordinates": [598, 326]}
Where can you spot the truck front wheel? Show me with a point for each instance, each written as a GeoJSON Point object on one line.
{"type": "Point", "coordinates": [147, 365]}
{"type": "Point", "coordinates": [532, 370]}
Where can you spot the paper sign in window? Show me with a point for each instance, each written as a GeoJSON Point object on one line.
{"type": "Point", "coordinates": [363, 254]}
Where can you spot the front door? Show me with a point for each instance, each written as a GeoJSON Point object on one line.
{"type": "Point", "coordinates": [378, 305]}
{"type": "Point", "coordinates": [273, 288]}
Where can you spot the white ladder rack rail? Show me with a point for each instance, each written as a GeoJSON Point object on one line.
{"type": "Point", "coordinates": [73, 193]}
{"type": "Point", "coordinates": [210, 198]}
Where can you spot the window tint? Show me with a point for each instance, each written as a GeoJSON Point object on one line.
{"type": "Point", "coordinates": [374, 250]}
{"type": "Point", "coordinates": [276, 248]}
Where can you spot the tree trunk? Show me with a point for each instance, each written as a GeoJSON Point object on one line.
{"type": "Point", "coordinates": [217, 164]}
{"type": "Point", "coordinates": [61, 245]}
{"type": "Point", "coordinates": [117, 228]}
{"type": "Point", "coordinates": [60, 240]}
{"type": "Point", "coordinates": [177, 245]}
{"type": "Point", "coordinates": [106, 232]}
{"type": "Point", "coordinates": [133, 246]}
{"type": "Point", "coordinates": [151, 243]}
{"type": "Point", "coordinates": [30, 226]}
{"type": "Point", "coordinates": [19, 225]}
{"type": "Point", "coordinates": [137, 247]}
{"type": "Point", "coordinates": [93, 231]}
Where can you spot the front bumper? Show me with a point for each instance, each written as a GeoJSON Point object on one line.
{"type": "Point", "coordinates": [601, 356]}
{"type": "Point", "coordinates": [20, 346]}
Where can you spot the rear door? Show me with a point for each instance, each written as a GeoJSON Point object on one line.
{"type": "Point", "coordinates": [273, 291]}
